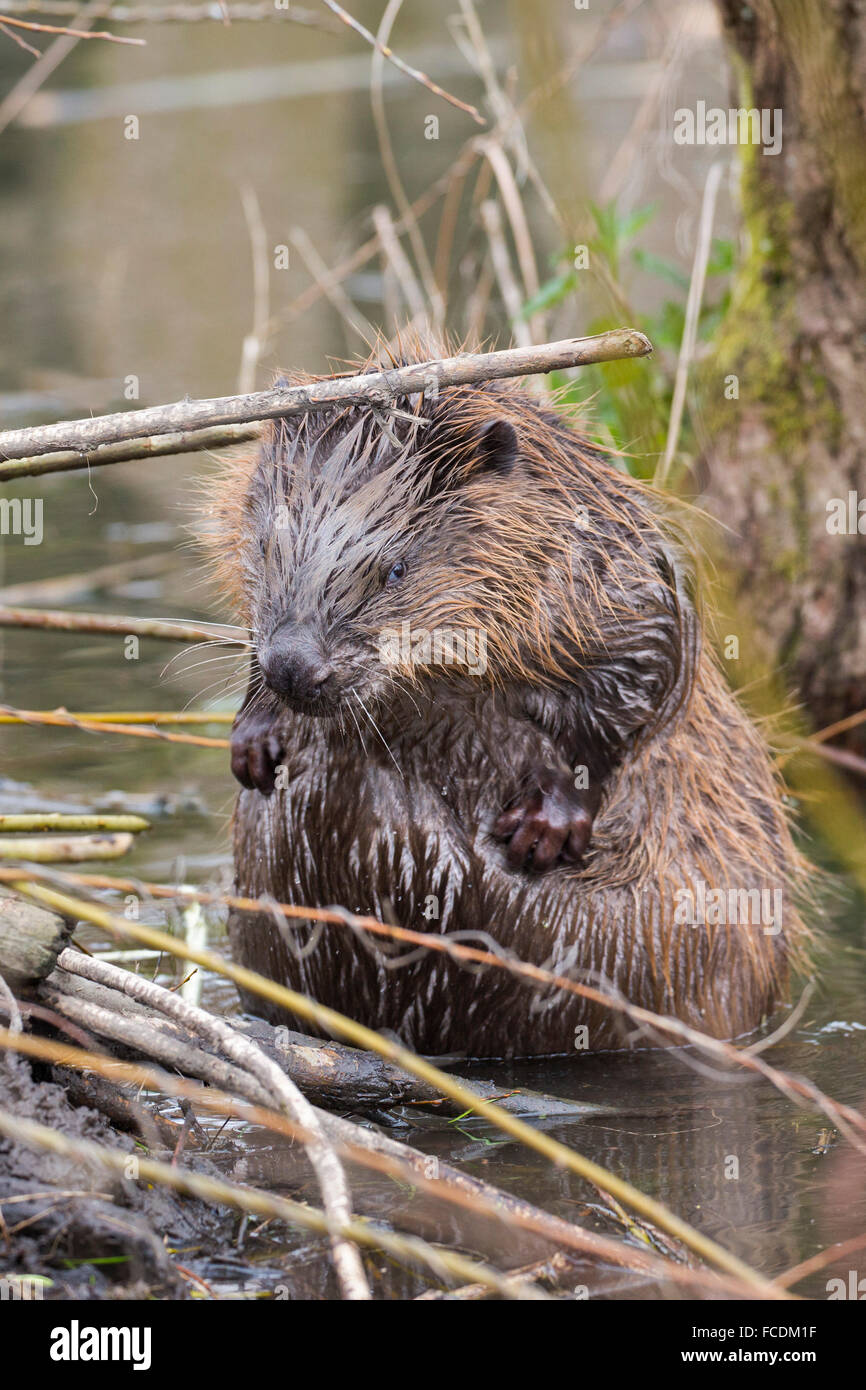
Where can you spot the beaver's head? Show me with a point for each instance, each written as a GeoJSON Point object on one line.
{"type": "Point", "coordinates": [470, 540]}
{"type": "Point", "coordinates": [382, 554]}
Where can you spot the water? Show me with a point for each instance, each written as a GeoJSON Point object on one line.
{"type": "Point", "coordinates": [132, 259]}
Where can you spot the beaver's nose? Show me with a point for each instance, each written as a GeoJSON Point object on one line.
{"type": "Point", "coordinates": [294, 665]}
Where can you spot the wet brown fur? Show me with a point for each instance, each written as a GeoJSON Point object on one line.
{"type": "Point", "coordinates": [593, 643]}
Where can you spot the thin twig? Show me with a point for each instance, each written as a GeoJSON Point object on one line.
{"type": "Point", "coordinates": [690, 327]}
{"type": "Point", "coordinates": [830, 1256]}
{"type": "Point", "coordinates": [61, 620]}
{"type": "Point", "coordinates": [29, 83]}
{"type": "Point", "coordinates": [414, 73]}
{"type": "Point", "coordinates": [513, 204]}
{"type": "Point", "coordinates": [491, 220]}
{"type": "Point", "coordinates": [253, 343]}
{"type": "Point", "coordinates": [106, 726]}
{"type": "Point", "coordinates": [184, 13]}
{"type": "Point", "coordinates": [392, 174]}
{"type": "Point", "coordinates": [334, 293]}
{"type": "Point", "coordinates": [63, 586]}
{"type": "Point", "coordinates": [72, 33]}
{"type": "Point", "coordinates": [10, 715]}
{"type": "Point", "coordinates": [399, 262]}
{"type": "Point", "coordinates": [22, 43]}
{"type": "Point", "coordinates": [60, 719]}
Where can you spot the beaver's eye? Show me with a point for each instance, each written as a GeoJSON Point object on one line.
{"type": "Point", "coordinates": [397, 572]}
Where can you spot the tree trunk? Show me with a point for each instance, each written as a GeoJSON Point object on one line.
{"type": "Point", "coordinates": [795, 339]}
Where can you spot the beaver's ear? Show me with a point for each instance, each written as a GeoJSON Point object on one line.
{"type": "Point", "coordinates": [497, 448]}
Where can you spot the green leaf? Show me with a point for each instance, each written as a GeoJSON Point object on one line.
{"type": "Point", "coordinates": [722, 257]}
{"type": "Point", "coordinates": [632, 223]}
{"type": "Point", "coordinates": [658, 265]}
{"type": "Point", "coordinates": [552, 292]}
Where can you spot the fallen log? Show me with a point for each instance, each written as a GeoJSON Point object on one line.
{"type": "Point", "coordinates": [31, 939]}
{"type": "Point", "coordinates": [331, 1074]}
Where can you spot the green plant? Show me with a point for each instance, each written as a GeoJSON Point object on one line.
{"type": "Point", "coordinates": [629, 402]}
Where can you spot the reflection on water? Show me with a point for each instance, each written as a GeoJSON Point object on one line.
{"type": "Point", "coordinates": [131, 259]}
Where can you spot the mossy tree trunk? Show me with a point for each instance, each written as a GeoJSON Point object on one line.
{"type": "Point", "coordinates": [795, 339]}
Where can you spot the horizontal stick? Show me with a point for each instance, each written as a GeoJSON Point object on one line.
{"type": "Point", "coordinates": [64, 849]}
{"type": "Point", "coordinates": [61, 719]}
{"type": "Point", "coordinates": [125, 716]}
{"type": "Point", "coordinates": [380, 388]}
{"type": "Point", "coordinates": [56, 820]}
{"type": "Point", "coordinates": [151, 446]}
{"type": "Point", "coordinates": [58, 620]}
{"type": "Point", "coordinates": [183, 13]}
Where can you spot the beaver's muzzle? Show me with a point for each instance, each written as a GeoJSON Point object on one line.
{"type": "Point", "coordinates": [296, 667]}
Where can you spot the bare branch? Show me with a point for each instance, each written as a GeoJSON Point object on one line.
{"type": "Point", "coordinates": [381, 388]}
{"type": "Point", "coordinates": [184, 13]}
{"type": "Point", "coordinates": [399, 63]}
{"type": "Point", "coordinates": [22, 43]}
{"type": "Point", "coordinates": [58, 620]}
{"type": "Point", "coordinates": [60, 718]}
{"type": "Point", "coordinates": [72, 33]}
{"type": "Point", "coordinates": [154, 446]}
{"type": "Point", "coordinates": [333, 1022]}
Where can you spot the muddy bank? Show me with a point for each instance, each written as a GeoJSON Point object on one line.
{"type": "Point", "coordinates": [88, 1232]}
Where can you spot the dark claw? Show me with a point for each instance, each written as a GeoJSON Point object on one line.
{"type": "Point", "coordinates": [256, 750]}
{"type": "Point", "coordinates": [551, 820]}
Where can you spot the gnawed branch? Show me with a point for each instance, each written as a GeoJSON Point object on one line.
{"type": "Point", "coordinates": [380, 388]}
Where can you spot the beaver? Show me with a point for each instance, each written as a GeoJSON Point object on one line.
{"type": "Point", "coordinates": [481, 703]}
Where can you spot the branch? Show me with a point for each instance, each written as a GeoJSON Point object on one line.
{"type": "Point", "coordinates": [844, 1117]}
{"type": "Point", "coordinates": [106, 725]}
{"type": "Point", "coordinates": [72, 33]}
{"type": "Point", "coordinates": [380, 388]}
{"type": "Point", "coordinates": [399, 63]}
{"type": "Point", "coordinates": [59, 620]}
{"type": "Point", "coordinates": [64, 849]}
{"type": "Point", "coordinates": [183, 13]}
{"type": "Point", "coordinates": [264, 1205]}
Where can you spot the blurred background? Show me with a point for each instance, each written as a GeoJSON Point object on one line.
{"type": "Point", "coordinates": [195, 259]}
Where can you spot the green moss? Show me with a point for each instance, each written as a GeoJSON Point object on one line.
{"type": "Point", "coordinates": [759, 342]}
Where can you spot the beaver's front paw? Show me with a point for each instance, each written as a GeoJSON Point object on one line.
{"type": "Point", "coordinates": [551, 820]}
{"type": "Point", "coordinates": [257, 749]}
